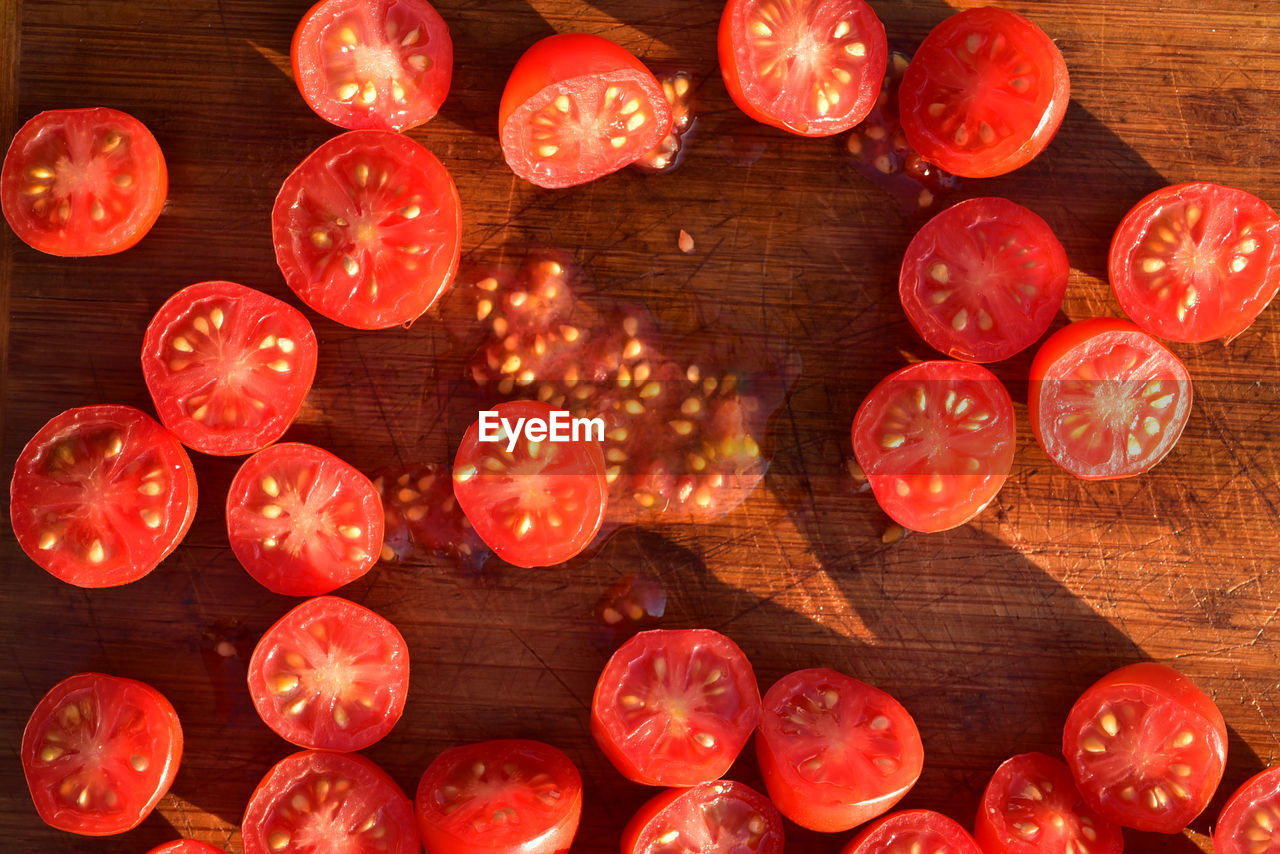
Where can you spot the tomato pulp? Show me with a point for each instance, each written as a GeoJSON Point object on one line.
{"type": "Point", "coordinates": [710, 818]}
{"type": "Point", "coordinates": [1032, 806]}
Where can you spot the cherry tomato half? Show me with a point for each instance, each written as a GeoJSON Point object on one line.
{"type": "Point", "coordinates": [101, 495]}
{"type": "Point", "coordinates": [914, 830]}
{"type": "Point", "coordinates": [1146, 747]}
{"type": "Point", "coordinates": [812, 67]}
{"type": "Point", "coordinates": [578, 107]}
{"type": "Point", "coordinates": [186, 846]}
{"type": "Point", "coordinates": [1195, 262]}
{"type": "Point", "coordinates": [984, 94]}
{"type": "Point", "coordinates": [83, 182]}
{"type": "Point", "coordinates": [721, 817]}
{"type": "Point", "coordinates": [99, 752]}
{"type": "Point", "coordinates": [674, 707]}
{"type": "Point", "coordinates": [1250, 821]}
{"type": "Point", "coordinates": [384, 64]}
{"type": "Point", "coordinates": [1032, 806]}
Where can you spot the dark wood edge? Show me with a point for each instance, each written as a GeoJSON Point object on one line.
{"type": "Point", "coordinates": [10, 47]}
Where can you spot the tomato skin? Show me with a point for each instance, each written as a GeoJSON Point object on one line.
{"type": "Point", "coordinates": [98, 699]}
{"type": "Point", "coordinates": [911, 830]}
{"type": "Point", "coordinates": [1049, 815]}
{"type": "Point", "coordinates": [699, 815]}
{"type": "Point", "coordinates": [186, 846]}
{"type": "Point", "coordinates": [1247, 823]}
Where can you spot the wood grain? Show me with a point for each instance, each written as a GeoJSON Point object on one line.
{"type": "Point", "coordinates": [986, 633]}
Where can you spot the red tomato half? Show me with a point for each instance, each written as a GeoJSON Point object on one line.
{"type": "Point", "coordinates": [914, 831]}
{"type": "Point", "coordinates": [675, 707]}
{"type": "Point", "coordinates": [366, 229]}
{"type": "Point", "coordinates": [540, 503]}
{"type": "Point", "coordinates": [1250, 822]}
{"type": "Point", "coordinates": [1195, 262]}
{"type": "Point", "coordinates": [722, 817]}
{"type": "Point", "coordinates": [228, 367]}
{"type": "Point", "coordinates": [983, 280]}
{"type": "Point", "coordinates": [83, 182]}
{"type": "Point", "coordinates": [317, 801]}
{"type": "Point", "coordinates": [330, 675]}
{"type": "Point", "coordinates": [383, 64]}
{"type": "Point", "coordinates": [186, 846]}
{"type": "Point", "coordinates": [1146, 747]}
{"type": "Point", "coordinates": [835, 752]}
{"type": "Point", "coordinates": [984, 94]}
{"type": "Point", "coordinates": [577, 107]}
{"type": "Point", "coordinates": [813, 67]}
{"type": "Point", "coordinates": [1032, 806]}
{"type": "Point", "coordinates": [511, 796]}
{"type": "Point", "coordinates": [99, 752]}
{"type": "Point", "coordinates": [303, 522]}
{"type": "Point", "coordinates": [936, 442]}
{"type": "Point", "coordinates": [101, 495]}
{"type": "Point", "coordinates": [1106, 399]}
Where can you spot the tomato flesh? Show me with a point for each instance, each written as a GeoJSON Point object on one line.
{"type": "Point", "coordinates": [722, 817]}
{"type": "Point", "coordinates": [1032, 806]}
{"type": "Point", "coordinates": [1250, 821]}
{"type": "Point", "coordinates": [913, 831]}
{"type": "Point", "coordinates": [186, 846]}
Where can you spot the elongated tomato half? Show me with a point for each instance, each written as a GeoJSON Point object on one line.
{"type": "Point", "coordinates": [366, 229]}
{"type": "Point", "coordinates": [1250, 821]}
{"type": "Point", "coordinates": [722, 817]}
{"type": "Point", "coordinates": [186, 846]}
{"type": "Point", "coordinates": [936, 442]}
{"type": "Point", "coordinates": [914, 830]}
{"type": "Point", "coordinates": [330, 675]}
{"type": "Point", "coordinates": [83, 182]}
{"type": "Point", "coordinates": [813, 67]}
{"type": "Point", "coordinates": [675, 707]}
{"type": "Point", "coordinates": [101, 495]}
{"type": "Point", "coordinates": [99, 752]}
{"type": "Point", "coordinates": [577, 107]}
{"type": "Point", "coordinates": [303, 522]}
{"type": "Point", "coordinates": [228, 367]}
{"type": "Point", "coordinates": [1195, 262]}
{"type": "Point", "coordinates": [1032, 806]}
{"type": "Point", "coordinates": [1106, 399]}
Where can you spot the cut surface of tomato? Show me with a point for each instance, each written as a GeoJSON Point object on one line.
{"type": "Point", "coordinates": [330, 675]}
{"type": "Point", "coordinates": [1195, 262]}
{"type": "Point", "coordinates": [983, 280]}
{"type": "Point", "coordinates": [383, 64]}
{"type": "Point", "coordinates": [577, 107]}
{"type": "Point", "coordinates": [83, 182]}
{"type": "Point", "coordinates": [511, 796]}
{"type": "Point", "coordinates": [914, 830]}
{"type": "Point", "coordinates": [1146, 747]}
{"type": "Point", "coordinates": [538, 504]}
{"type": "Point", "coordinates": [99, 752]}
{"type": "Point", "coordinates": [674, 707]}
{"type": "Point", "coordinates": [366, 229]}
{"type": "Point", "coordinates": [721, 817]}
{"type": "Point", "coordinates": [1032, 806]}
{"type": "Point", "coordinates": [1106, 399]}
{"type": "Point", "coordinates": [303, 522]}
{"type": "Point", "coordinates": [984, 94]}
{"type": "Point", "coordinates": [101, 495]}
{"type": "Point", "coordinates": [228, 366]}
{"type": "Point", "coordinates": [812, 67]}
{"type": "Point", "coordinates": [186, 846]}
{"type": "Point", "coordinates": [317, 801]}
{"type": "Point", "coordinates": [1250, 821]}
{"type": "Point", "coordinates": [936, 442]}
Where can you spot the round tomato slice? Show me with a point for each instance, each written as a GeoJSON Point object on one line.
{"type": "Point", "coordinates": [228, 367]}
{"type": "Point", "coordinates": [1195, 262]}
{"type": "Point", "coordinates": [101, 495]}
{"type": "Point", "coordinates": [83, 182]}
{"type": "Point", "coordinates": [186, 846]}
{"type": "Point", "coordinates": [936, 442]}
{"type": "Point", "coordinates": [383, 64]}
{"type": "Point", "coordinates": [511, 796]}
{"type": "Point", "coordinates": [330, 675]}
{"type": "Point", "coordinates": [914, 831]}
{"type": "Point", "coordinates": [675, 707]}
{"type": "Point", "coordinates": [984, 94]}
{"type": "Point", "coordinates": [813, 67]}
{"type": "Point", "coordinates": [316, 801]}
{"type": "Point", "coordinates": [1146, 747]}
{"type": "Point", "coordinates": [1250, 822]}
{"type": "Point", "coordinates": [303, 522]}
{"type": "Point", "coordinates": [578, 107]}
{"type": "Point", "coordinates": [1106, 399]}
{"type": "Point", "coordinates": [367, 228]}
{"type": "Point", "coordinates": [1032, 806]}
{"type": "Point", "coordinates": [99, 752]}
{"type": "Point", "coordinates": [983, 280]}
{"type": "Point", "coordinates": [723, 817]}
{"type": "Point", "coordinates": [533, 499]}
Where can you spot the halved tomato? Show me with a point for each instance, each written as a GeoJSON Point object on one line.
{"type": "Point", "coordinates": [83, 182]}
{"type": "Point", "coordinates": [186, 846]}
{"type": "Point", "coordinates": [101, 495]}
{"type": "Point", "coordinates": [1032, 806]}
{"type": "Point", "coordinates": [813, 67]}
{"type": "Point", "coordinates": [383, 64]}
{"type": "Point", "coordinates": [722, 817]}
{"type": "Point", "coordinates": [228, 367]}
{"type": "Point", "coordinates": [578, 107]}
{"type": "Point", "coordinates": [1250, 821]}
{"type": "Point", "coordinates": [912, 831]}
{"type": "Point", "coordinates": [367, 229]}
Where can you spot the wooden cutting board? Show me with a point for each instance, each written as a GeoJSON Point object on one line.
{"type": "Point", "coordinates": [986, 633]}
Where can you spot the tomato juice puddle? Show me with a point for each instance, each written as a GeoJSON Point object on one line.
{"type": "Point", "coordinates": [680, 91]}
